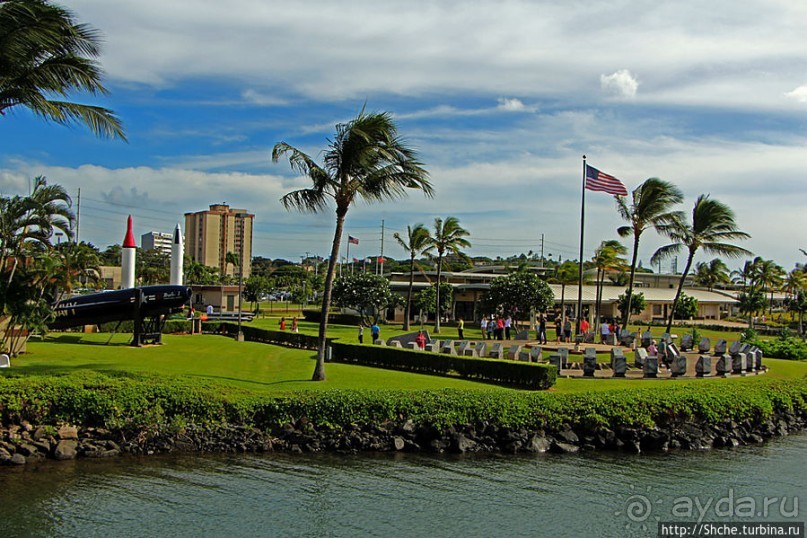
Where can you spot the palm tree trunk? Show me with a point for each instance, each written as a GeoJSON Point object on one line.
{"type": "Point", "coordinates": [437, 308]}
{"type": "Point", "coordinates": [626, 314]}
{"type": "Point", "coordinates": [678, 292]}
{"type": "Point", "coordinates": [597, 299]}
{"type": "Point", "coordinates": [563, 303]}
{"type": "Point", "coordinates": [319, 369]}
{"type": "Point", "coordinates": [408, 312]}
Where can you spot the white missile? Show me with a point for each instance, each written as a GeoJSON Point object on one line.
{"type": "Point", "coordinates": [177, 257]}
{"type": "Point", "coordinates": [128, 253]}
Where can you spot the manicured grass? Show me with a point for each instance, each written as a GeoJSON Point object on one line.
{"type": "Point", "coordinates": [258, 367]}
{"type": "Point", "coordinates": [270, 369]}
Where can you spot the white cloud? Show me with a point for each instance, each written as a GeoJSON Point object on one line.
{"type": "Point", "coordinates": [620, 84]}
{"type": "Point", "coordinates": [513, 105]}
{"type": "Point", "coordinates": [799, 94]}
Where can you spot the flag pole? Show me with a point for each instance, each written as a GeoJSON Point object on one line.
{"type": "Point", "coordinates": [348, 254]}
{"type": "Point", "coordinates": [580, 271]}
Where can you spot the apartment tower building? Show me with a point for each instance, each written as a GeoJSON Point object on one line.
{"type": "Point", "coordinates": [211, 234]}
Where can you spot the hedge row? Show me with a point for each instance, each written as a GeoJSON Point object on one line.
{"type": "Point", "coordinates": [315, 315]}
{"type": "Point", "coordinates": [517, 374]}
{"type": "Point", "coordinates": [266, 336]}
{"type": "Point", "coordinates": [136, 402]}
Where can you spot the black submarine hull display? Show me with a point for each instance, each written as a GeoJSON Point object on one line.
{"type": "Point", "coordinates": [119, 305]}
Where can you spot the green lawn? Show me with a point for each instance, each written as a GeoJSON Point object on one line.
{"type": "Point", "coordinates": [259, 367]}
{"type": "Point", "coordinates": [271, 369]}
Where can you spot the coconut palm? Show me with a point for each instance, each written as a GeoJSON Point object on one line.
{"type": "Point", "coordinates": [608, 256]}
{"type": "Point", "coordinates": [45, 53]}
{"type": "Point", "coordinates": [566, 274]}
{"type": "Point", "coordinates": [449, 238]}
{"type": "Point", "coordinates": [711, 274]}
{"type": "Point", "coordinates": [650, 207]}
{"type": "Point", "coordinates": [769, 275]}
{"type": "Point", "coordinates": [712, 223]}
{"type": "Point", "coordinates": [416, 244]}
{"type": "Point", "coordinates": [366, 160]}
{"type": "Point", "coordinates": [32, 220]}
{"type": "Point", "coordinates": [746, 275]}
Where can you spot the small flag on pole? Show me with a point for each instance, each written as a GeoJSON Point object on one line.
{"type": "Point", "coordinates": [382, 260]}
{"type": "Point", "coordinates": [353, 240]}
{"type": "Point", "coordinates": [598, 181]}
{"type": "Point", "coordinates": [356, 260]}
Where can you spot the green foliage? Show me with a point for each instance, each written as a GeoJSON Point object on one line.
{"type": "Point", "coordinates": [164, 403]}
{"type": "Point", "coordinates": [367, 293]}
{"type": "Point", "coordinates": [785, 347]}
{"type": "Point", "coordinates": [517, 294]}
{"type": "Point", "coordinates": [426, 300]}
{"type": "Point", "coordinates": [687, 307]}
{"type": "Point", "coordinates": [637, 304]}
{"type": "Point", "coordinates": [511, 373]}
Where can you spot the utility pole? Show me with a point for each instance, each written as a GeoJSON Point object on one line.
{"type": "Point", "coordinates": [542, 251]}
{"type": "Point", "coordinates": [382, 246]}
{"type": "Point", "coordinates": [78, 213]}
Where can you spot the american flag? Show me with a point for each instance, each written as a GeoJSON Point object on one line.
{"type": "Point", "coordinates": [598, 181]}
{"type": "Point", "coordinates": [353, 240]}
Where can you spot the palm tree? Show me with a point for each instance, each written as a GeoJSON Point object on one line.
{"type": "Point", "coordinates": [607, 256]}
{"type": "Point", "coordinates": [567, 273]}
{"type": "Point", "coordinates": [416, 244]}
{"type": "Point", "coordinates": [711, 274]}
{"type": "Point", "coordinates": [746, 275]}
{"type": "Point", "coordinates": [650, 207]}
{"type": "Point", "coordinates": [712, 223]}
{"type": "Point", "coordinates": [45, 53]}
{"type": "Point", "coordinates": [769, 275]}
{"type": "Point", "coordinates": [366, 160]}
{"type": "Point", "coordinates": [448, 238]}
{"type": "Point", "coordinates": [32, 220]}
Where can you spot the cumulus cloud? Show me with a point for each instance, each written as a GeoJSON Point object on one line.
{"type": "Point", "coordinates": [620, 84]}
{"type": "Point", "coordinates": [799, 94]}
{"type": "Point", "coordinates": [513, 105]}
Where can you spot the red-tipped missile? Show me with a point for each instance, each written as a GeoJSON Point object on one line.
{"type": "Point", "coordinates": [128, 252]}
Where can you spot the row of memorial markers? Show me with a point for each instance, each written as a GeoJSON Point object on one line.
{"type": "Point", "coordinates": [738, 359]}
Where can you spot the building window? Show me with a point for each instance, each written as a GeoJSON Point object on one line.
{"type": "Point", "coordinates": [656, 309]}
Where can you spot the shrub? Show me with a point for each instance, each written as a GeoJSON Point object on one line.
{"type": "Point", "coordinates": [517, 374]}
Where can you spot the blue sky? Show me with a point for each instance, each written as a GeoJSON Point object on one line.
{"type": "Point", "coordinates": [501, 99]}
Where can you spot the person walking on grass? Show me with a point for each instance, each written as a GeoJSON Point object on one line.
{"type": "Point", "coordinates": [361, 333]}
{"type": "Point", "coordinates": [375, 330]}
{"type": "Point", "coordinates": [508, 324]}
{"type": "Point", "coordinates": [484, 326]}
{"type": "Point", "coordinates": [282, 324]}
{"type": "Point", "coordinates": [461, 328]}
{"type": "Point", "coordinates": [558, 329]}
{"type": "Point", "coordinates": [295, 328]}
{"type": "Point", "coordinates": [542, 329]}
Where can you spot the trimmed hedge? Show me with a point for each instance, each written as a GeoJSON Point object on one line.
{"type": "Point", "coordinates": [523, 375]}
{"type": "Point", "coordinates": [314, 316]}
{"type": "Point", "coordinates": [266, 336]}
{"type": "Point", "coordinates": [158, 403]}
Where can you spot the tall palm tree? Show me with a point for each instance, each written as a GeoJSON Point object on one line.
{"type": "Point", "coordinates": [44, 53]}
{"type": "Point", "coordinates": [366, 160]}
{"type": "Point", "coordinates": [607, 256]}
{"type": "Point", "coordinates": [746, 275]}
{"type": "Point", "coordinates": [711, 274]}
{"type": "Point", "coordinates": [416, 244]}
{"type": "Point", "coordinates": [650, 207]}
{"type": "Point", "coordinates": [566, 273]}
{"type": "Point", "coordinates": [712, 223]}
{"type": "Point", "coordinates": [449, 238]}
{"type": "Point", "coordinates": [769, 275]}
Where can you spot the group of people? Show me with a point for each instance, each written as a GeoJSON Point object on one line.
{"type": "Point", "coordinates": [375, 332]}
{"type": "Point", "coordinates": [496, 327]}
{"type": "Point", "coordinates": [295, 328]}
{"type": "Point", "coordinates": [608, 328]}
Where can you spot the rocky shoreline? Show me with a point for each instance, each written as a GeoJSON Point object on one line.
{"type": "Point", "coordinates": [20, 444]}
